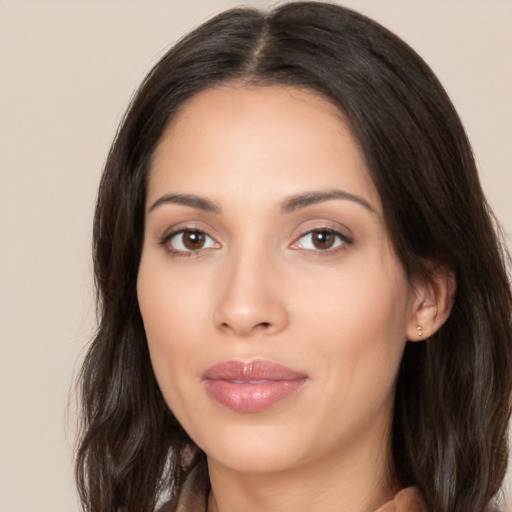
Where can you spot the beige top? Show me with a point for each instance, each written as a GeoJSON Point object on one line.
{"type": "Point", "coordinates": [194, 497]}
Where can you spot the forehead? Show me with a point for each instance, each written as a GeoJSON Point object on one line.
{"type": "Point", "coordinates": [274, 138]}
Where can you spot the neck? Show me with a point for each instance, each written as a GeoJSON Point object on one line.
{"type": "Point", "coordinates": [359, 482]}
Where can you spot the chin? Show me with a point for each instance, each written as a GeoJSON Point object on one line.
{"type": "Point", "coordinates": [254, 449]}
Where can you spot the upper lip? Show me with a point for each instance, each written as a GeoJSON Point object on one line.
{"type": "Point", "coordinates": [255, 370]}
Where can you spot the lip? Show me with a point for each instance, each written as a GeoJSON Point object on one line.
{"type": "Point", "coordinates": [251, 386]}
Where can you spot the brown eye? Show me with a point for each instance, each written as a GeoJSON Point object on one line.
{"type": "Point", "coordinates": [323, 240]}
{"type": "Point", "coordinates": [188, 241]}
{"type": "Point", "coordinates": [193, 240]}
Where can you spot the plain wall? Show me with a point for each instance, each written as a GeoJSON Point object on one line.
{"type": "Point", "coordinates": [68, 70]}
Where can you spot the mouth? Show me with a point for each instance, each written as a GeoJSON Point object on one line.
{"type": "Point", "coordinates": [251, 386]}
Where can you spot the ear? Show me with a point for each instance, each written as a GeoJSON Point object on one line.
{"type": "Point", "coordinates": [432, 303]}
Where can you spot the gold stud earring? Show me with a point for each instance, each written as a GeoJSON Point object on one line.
{"type": "Point", "coordinates": [420, 331]}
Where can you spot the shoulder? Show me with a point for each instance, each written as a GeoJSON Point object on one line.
{"type": "Point", "coordinates": [410, 499]}
{"type": "Point", "coordinates": [407, 500]}
{"type": "Point", "coordinates": [193, 496]}
{"type": "Point", "coordinates": [169, 506]}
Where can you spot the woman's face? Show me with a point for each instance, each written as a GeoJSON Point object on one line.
{"type": "Point", "coordinates": [275, 309]}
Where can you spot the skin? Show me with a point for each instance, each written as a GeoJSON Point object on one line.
{"type": "Point", "coordinates": [259, 288]}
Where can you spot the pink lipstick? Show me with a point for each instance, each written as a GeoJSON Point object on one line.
{"type": "Point", "coordinates": [251, 386]}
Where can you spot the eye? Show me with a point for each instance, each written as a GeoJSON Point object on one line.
{"type": "Point", "coordinates": [189, 241]}
{"type": "Point", "coordinates": [321, 240]}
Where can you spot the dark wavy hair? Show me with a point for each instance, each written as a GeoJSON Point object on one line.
{"type": "Point", "coordinates": [453, 392]}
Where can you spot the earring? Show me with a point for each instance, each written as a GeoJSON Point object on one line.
{"type": "Point", "coordinates": [420, 331]}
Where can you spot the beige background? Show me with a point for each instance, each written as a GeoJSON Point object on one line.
{"type": "Point", "coordinates": [68, 69]}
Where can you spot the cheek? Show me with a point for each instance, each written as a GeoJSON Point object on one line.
{"type": "Point", "coordinates": [169, 301]}
{"type": "Point", "coordinates": [360, 327]}
{"type": "Point", "coordinates": [171, 313]}
{"type": "Point", "coordinates": [368, 300]}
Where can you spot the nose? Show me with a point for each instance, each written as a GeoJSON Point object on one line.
{"type": "Point", "coordinates": [251, 298]}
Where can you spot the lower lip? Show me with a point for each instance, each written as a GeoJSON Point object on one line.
{"type": "Point", "coordinates": [252, 397]}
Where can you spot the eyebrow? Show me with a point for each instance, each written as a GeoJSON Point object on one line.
{"type": "Point", "coordinates": [290, 204]}
{"type": "Point", "coordinates": [197, 202]}
{"type": "Point", "coordinates": [296, 202]}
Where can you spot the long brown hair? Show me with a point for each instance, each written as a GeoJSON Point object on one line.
{"type": "Point", "coordinates": [453, 392]}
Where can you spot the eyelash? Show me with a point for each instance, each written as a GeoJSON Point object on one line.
{"type": "Point", "coordinates": [342, 241]}
{"type": "Point", "coordinates": [167, 238]}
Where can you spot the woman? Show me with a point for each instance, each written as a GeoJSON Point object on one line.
{"type": "Point", "coordinates": [304, 304]}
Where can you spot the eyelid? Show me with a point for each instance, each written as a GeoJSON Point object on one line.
{"type": "Point", "coordinates": [310, 227]}
{"type": "Point", "coordinates": [173, 232]}
{"type": "Point", "coordinates": [186, 225]}
{"type": "Point", "coordinates": [306, 229]}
